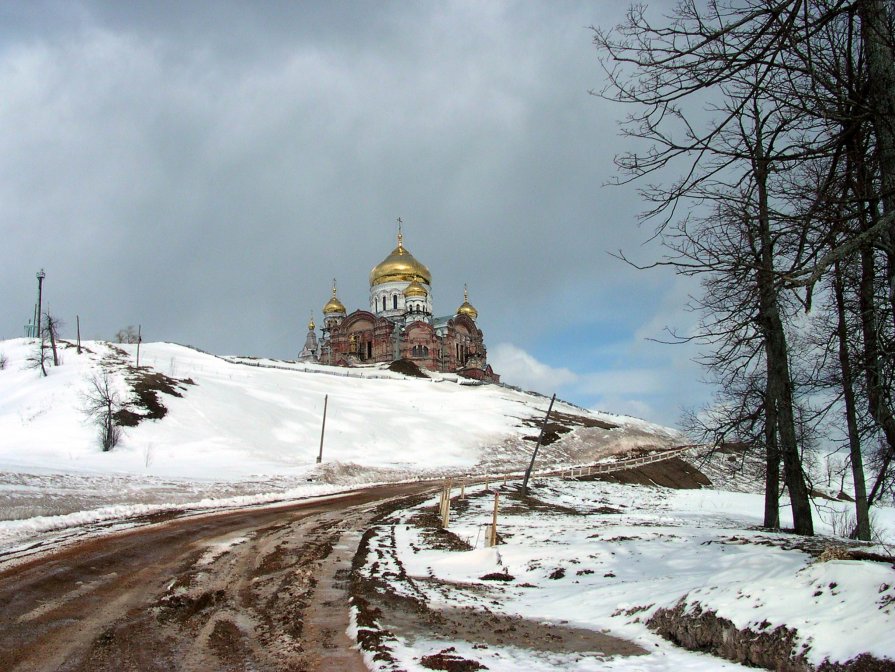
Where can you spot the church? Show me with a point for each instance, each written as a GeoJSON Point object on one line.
{"type": "Point", "coordinates": [400, 324]}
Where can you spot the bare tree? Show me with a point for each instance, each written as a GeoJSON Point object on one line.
{"type": "Point", "coordinates": [751, 66]}
{"type": "Point", "coordinates": [127, 335]}
{"type": "Point", "coordinates": [39, 357]}
{"type": "Point", "coordinates": [50, 328]}
{"type": "Point", "coordinates": [103, 403]}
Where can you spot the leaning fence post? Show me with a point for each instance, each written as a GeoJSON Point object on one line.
{"type": "Point", "coordinates": [446, 507]}
{"type": "Point", "coordinates": [494, 520]}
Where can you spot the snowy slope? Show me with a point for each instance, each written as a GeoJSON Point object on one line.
{"type": "Point", "coordinates": [246, 426]}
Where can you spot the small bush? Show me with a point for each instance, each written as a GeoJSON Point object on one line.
{"type": "Point", "coordinates": [102, 404]}
{"type": "Point", "coordinates": [4, 360]}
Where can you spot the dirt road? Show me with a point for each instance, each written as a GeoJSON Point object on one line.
{"type": "Point", "coordinates": [254, 589]}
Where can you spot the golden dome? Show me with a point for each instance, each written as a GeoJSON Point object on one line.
{"type": "Point", "coordinates": [333, 306]}
{"type": "Point", "coordinates": [311, 325]}
{"type": "Point", "coordinates": [467, 308]}
{"type": "Point", "coordinates": [415, 289]}
{"type": "Point", "coordinates": [400, 266]}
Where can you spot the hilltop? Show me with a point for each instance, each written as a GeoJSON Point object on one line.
{"type": "Point", "coordinates": [205, 426]}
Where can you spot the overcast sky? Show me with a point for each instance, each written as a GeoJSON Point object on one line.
{"type": "Point", "coordinates": [206, 168]}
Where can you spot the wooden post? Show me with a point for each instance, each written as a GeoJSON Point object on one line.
{"type": "Point", "coordinates": [462, 489]}
{"type": "Point", "coordinates": [139, 340]}
{"type": "Point", "coordinates": [494, 520]}
{"type": "Point", "coordinates": [78, 320]}
{"type": "Point", "coordinates": [322, 429]}
{"type": "Point", "coordinates": [538, 445]}
{"type": "Point", "coordinates": [446, 508]}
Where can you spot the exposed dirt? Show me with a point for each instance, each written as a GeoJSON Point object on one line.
{"type": "Point", "coordinates": [407, 367]}
{"type": "Point", "coordinates": [390, 604]}
{"type": "Point", "coordinates": [671, 473]}
{"type": "Point", "coordinates": [147, 385]}
{"type": "Point", "coordinates": [561, 423]}
{"type": "Point", "coordinates": [447, 659]}
{"type": "Point", "coordinates": [235, 591]}
{"type": "Point", "coordinates": [703, 630]}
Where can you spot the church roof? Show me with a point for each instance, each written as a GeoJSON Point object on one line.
{"type": "Point", "coordinates": [400, 266]}
{"type": "Point", "coordinates": [334, 306]}
{"type": "Point", "coordinates": [415, 289]}
{"type": "Point", "coordinates": [466, 308]}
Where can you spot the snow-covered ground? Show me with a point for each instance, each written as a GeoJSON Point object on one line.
{"type": "Point", "coordinates": [246, 430]}
{"type": "Point", "coordinates": [599, 556]}
{"type": "Point", "coordinates": [605, 557]}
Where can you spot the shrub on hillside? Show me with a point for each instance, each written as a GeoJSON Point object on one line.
{"type": "Point", "coordinates": [103, 403]}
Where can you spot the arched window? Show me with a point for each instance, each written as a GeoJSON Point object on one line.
{"type": "Point", "coordinates": [384, 305]}
{"type": "Point", "coordinates": [395, 301]}
{"type": "Point", "coordinates": [426, 350]}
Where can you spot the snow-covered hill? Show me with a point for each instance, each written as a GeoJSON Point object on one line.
{"type": "Point", "coordinates": [244, 426]}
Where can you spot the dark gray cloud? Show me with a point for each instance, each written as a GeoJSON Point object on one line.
{"type": "Point", "coordinates": [206, 169]}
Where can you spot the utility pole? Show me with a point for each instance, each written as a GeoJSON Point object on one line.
{"type": "Point", "coordinates": [78, 320]}
{"type": "Point", "coordinates": [139, 340]}
{"type": "Point", "coordinates": [40, 284]}
{"type": "Point", "coordinates": [538, 445]}
{"type": "Point", "coordinates": [322, 430]}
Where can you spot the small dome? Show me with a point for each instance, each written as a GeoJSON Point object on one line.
{"type": "Point", "coordinates": [466, 308]}
{"type": "Point", "coordinates": [415, 289]}
{"type": "Point", "coordinates": [333, 306]}
{"type": "Point", "coordinates": [311, 325]}
{"type": "Point", "coordinates": [399, 266]}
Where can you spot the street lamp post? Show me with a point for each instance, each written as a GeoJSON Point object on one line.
{"type": "Point", "coordinates": [40, 283]}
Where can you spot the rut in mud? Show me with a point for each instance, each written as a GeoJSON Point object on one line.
{"type": "Point", "coordinates": [235, 591]}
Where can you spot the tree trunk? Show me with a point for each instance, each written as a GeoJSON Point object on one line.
{"type": "Point", "coordinates": [862, 516]}
{"type": "Point", "coordinates": [779, 383]}
{"type": "Point", "coordinates": [52, 330]}
{"type": "Point", "coordinates": [772, 475]}
{"type": "Point", "coordinates": [876, 401]}
{"type": "Point", "coordinates": [877, 38]}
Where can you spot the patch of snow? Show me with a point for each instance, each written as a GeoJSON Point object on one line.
{"type": "Point", "coordinates": [605, 556]}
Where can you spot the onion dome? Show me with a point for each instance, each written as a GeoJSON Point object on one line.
{"type": "Point", "coordinates": [400, 266]}
{"type": "Point", "coordinates": [333, 306]}
{"type": "Point", "coordinates": [466, 308]}
{"type": "Point", "coordinates": [311, 325]}
{"type": "Point", "coordinates": [415, 289]}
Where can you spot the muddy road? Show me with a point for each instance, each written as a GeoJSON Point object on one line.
{"type": "Point", "coordinates": [258, 589]}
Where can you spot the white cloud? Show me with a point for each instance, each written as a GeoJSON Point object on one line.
{"type": "Point", "coordinates": [517, 367]}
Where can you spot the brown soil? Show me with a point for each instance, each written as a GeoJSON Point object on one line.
{"type": "Point", "coordinates": [390, 604]}
{"type": "Point", "coordinates": [407, 367]}
{"type": "Point", "coordinates": [447, 659]}
{"type": "Point", "coordinates": [232, 591]}
{"type": "Point", "coordinates": [671, 473]}
{"type": "Point", "coordinates": [700, 629]}
{"type": "Point", "coordinates": [559, 424]}
{"type": "Point", "coordinates": [147, 385]}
